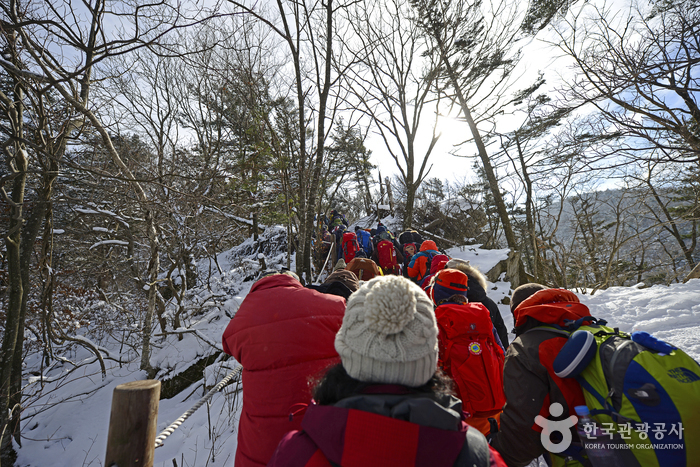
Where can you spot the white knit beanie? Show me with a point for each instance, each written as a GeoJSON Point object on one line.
{"type": "Point", "coordinates": [389, 333]}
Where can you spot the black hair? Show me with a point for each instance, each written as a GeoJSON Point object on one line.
{"type": "Point", "coordinates": [337, 385]}
{"type": "Point", "coordinates": [456, 298]}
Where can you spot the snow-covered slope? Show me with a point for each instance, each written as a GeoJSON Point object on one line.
{"type": "Point", "coordinates": [74, 432]}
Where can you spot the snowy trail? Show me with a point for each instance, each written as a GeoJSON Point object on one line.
{"type": "Point", "coordinates": [74, 433]}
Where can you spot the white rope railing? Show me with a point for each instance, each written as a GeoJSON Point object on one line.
{"type": "Point", "coordinates": [170, 429]}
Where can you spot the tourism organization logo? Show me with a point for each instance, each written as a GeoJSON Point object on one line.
{"type": "Point", "coordinates": [608, 436]}
{"type": "Point", "coordinates": [553, 426]}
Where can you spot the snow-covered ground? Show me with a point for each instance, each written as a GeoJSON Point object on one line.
{"type": "Point", "coordinates": [74, 432]}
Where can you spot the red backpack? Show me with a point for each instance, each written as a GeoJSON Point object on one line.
{"type": "Point", "coordinates": [350, 246]}
{"type": "Point", "coordinates": [470, 354]}
{"type": "Point", "coordinates": [386, 254]}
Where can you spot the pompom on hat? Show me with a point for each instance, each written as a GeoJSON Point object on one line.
{"type": "Point", "coordinates": [389, 333]}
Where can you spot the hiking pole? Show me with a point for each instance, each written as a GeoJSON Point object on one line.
{"type": "Point", "coordinates": [330, 250]}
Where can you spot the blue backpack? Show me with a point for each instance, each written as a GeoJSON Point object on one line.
{"type": "Point", "coordinates": [644, 391]}
{"type": "Point", "coordinates": [365, 240]}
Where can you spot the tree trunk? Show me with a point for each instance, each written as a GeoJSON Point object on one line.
{"type": "Point", "coordinates": [408, 213]}
{"type": "Point", "coordinates": [153, 268]}
{"type": "Point", "coordinates": [313, 189]}
{"type": "Point", "coordinates": [529, 217]}
{"type": "Point", "coordinates": [483, 155]}
{"type": "Point", "coordinates": [17, 166]}
{"type": "Point", "coordinates": [694, 274]}
{"type": "Point", "coordinates": [391, 196]}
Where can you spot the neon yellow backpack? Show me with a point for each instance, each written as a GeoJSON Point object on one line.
{"type": "Point", "coordinates": [643, 391]}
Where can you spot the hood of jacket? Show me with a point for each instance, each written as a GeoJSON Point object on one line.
{"type": "Point", "coordinates": [550, 306]}
{"type": "Point", "coordinates": [276, 280]}
{"type": "Point", "coordinates": [428, 245]}
{"type": "Point", "coordinates": [476, 292]}
{"type": "Point", "coordinates": [399, 421]}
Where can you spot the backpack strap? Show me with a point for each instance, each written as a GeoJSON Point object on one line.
{"type": "Point", "coordinates": [572, 325]}
{"type": "Point", "coordinates": [554, 329]}
{"type": "Point", "coordinates": [475, 450]}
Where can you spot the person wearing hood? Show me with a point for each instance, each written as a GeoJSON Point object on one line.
{"type": "Point", "coordinates": [282, 334]}
{"type": "Point", "coordinates": [477, 293]}
{"type": "Point", "coordinates": [531, 387]}
{"type": "Point", "coordinates": [419, 266]}
{"type": "Point", "coordinates": [386, 404]}
{"type": "Point", "coordinates": [340, 282]}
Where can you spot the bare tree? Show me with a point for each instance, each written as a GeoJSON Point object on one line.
{"type": "Point", "coordinates": [56, 49]}
{"type": "Point", "coordinates": [475, 44]}
{"type": "Point", "coordinates": [310, 33]}
{"type": "Point", "coordinates": [639, 70]}
{"type": "Point", "coordinates": [678, 214]}
{"type": "Point", "coordinates": [394, 85]}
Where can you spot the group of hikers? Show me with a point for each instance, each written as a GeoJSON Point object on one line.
{"type": "Point", "coordinates": [388, 254]}
{"type": "Point", "coordinates": [412, 366]}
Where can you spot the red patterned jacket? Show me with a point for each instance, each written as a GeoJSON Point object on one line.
{"type": "Point", "coordinates": [410, 430]}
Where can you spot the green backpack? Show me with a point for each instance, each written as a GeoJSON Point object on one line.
{"type": "Point", "coordinates": [644, 392]}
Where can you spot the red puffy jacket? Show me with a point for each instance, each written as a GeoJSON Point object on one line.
{"type": "Point", "coordinates": [282, 334]}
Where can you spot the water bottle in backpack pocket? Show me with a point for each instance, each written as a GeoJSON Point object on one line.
{"type": "Point", "coordinates": [645, 391]}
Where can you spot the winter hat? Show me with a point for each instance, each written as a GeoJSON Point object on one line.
{"type": "Point", "coordinates": [449, 282]}
{"type": "Point", "coordinates": [341, 264]}
{"type": "Point", "coordinates": [523, 292]}
{"type": "Point", "coordinates": [380, 229]}
{"type": "Point", "coordinates": [389, 333]}
{"type": "Point", "coordinates": [428, 245]}
{"type": "Point", "coordinates": [347, 278]}
{"type": "Point", "coordinates": [274, 272]}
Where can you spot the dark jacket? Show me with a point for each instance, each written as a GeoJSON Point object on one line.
{"type": "Point", "coordinates": [476, 293]}
{"type": "Point", "coordinates": [371, 430]}
{"type": "Point", "coordinates": [529, 382]}
{"type": "Point", "coordinates": [282, 334]}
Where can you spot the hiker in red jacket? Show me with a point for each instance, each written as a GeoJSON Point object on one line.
{"type": "Point", "coordinates": [282, 334]}
{"type": "Point", "coordinates": [530, 385]}
{"type": "Point", "coordinates": [477, 293]}
{"type": "Point", "coordinates": [386, 404]}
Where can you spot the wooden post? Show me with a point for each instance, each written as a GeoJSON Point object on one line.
{"type": "Point", "coordinates": [132, 424]}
